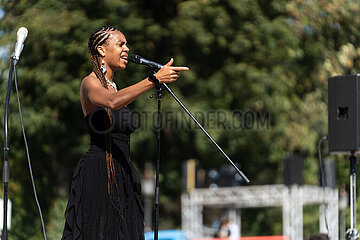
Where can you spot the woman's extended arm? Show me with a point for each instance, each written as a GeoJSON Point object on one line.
{"type": "Point", "coordinates": [101, 97]}
{"type": "Point", "coordinates": [92, 89]}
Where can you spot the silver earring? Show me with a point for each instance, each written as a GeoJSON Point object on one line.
{"type": "Point", "coordinates": [103, 67]}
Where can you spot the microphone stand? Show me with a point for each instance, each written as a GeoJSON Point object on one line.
{"type": "Point", "coordinates": [6, 171]}
{"type": "Point", "coordinates": [158, 128]}
{"type": "Point", "coordinates": [352, 232]}
{"type": "Point", "coordinates": [205, 132]}
{"type": "Point", "coordinates": [158, 88]}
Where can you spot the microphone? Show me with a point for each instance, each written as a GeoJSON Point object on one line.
{"type": "Point", "coordinates": [143, 61]}
{"type": "Point", "coordinates": [21, 36]}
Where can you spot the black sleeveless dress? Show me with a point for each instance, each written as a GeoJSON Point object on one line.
{"type": "Point", "coordinates": [92, 212]}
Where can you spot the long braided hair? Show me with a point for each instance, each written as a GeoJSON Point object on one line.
{"type": "Point", "coordinates": [100, 37]}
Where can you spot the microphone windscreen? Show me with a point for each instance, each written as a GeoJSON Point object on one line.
{"type": "Point", "coordinates": [134, 58]}
{"type": "Point", "coordinates": [22, 33]}
{"type": "Point", "coordinates": [21, 36]}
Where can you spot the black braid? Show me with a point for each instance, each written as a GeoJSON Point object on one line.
{"type": "Point", "coordinates": [98, 38]}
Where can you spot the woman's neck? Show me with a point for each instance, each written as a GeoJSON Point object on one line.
{"type": "Point", "coordinates": [109, 74]}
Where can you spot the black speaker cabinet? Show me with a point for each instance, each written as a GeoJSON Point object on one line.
{"type": "Point", "coordinates": [293, 169]}
{"type": "Point", "coordinates": [343, 94]}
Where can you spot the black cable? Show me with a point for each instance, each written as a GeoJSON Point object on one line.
{"type": "Point", "coordinates": [28, 157]}
{"type": "Point", "coordinates": [322, 177]}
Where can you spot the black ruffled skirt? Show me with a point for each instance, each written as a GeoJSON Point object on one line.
{"type": "Point", "coordinates": [92, 212]}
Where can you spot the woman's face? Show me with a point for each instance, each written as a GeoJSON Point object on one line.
{"type": "Point", "coordinates": [115, 51]}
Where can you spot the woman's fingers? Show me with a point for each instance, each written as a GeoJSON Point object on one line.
{"type": "Point", "coordinates": [179, 68]}
{"type": "Point", "coordinates": [169, 73]}
{"type": "Point", "coordinates": [170, 62]}
{"type": "Point", "coordinates": [175, 68]}
{"type": "Point", "coordinates": [175, 76]}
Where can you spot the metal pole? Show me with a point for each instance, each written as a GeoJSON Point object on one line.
{"type": "Point", "coordinates": [157, 186]}
{"type": "Point", "coordinates": [6, 171]}
{"type": "Point", "coordinates": [352, 202]}
{"type": "Point", "coordinates": [353, 233]}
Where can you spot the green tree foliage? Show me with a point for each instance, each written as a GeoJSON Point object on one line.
{"type": "Point", "coordinates": [271, 57]}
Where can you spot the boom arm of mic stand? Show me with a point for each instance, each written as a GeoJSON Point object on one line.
{"type": "Point", "coordinates": [206, 133]}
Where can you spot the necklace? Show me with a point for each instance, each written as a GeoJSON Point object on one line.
{"type": "Point", "coordinates": [111, 84]}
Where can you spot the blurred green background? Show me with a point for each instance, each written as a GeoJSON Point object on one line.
{"type": "Point", "coordinates": [269, 56]}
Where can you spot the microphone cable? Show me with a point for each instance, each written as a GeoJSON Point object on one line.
{"type": "Point", "coordinates": [322, 177]}
{"type": "Point", "coordinates": [28, 156]}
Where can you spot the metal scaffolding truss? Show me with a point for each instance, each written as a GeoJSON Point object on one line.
{"type": "Point", "coordinates": [290, 198]}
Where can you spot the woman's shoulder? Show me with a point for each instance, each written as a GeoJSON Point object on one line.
{"type": "Point", "coordinates": [90, 81]}
{"type": "Point", "coordinates": [90, 77]}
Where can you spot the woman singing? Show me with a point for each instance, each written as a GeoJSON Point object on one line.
{"type": "Point", "coordinates": [104, 200]}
